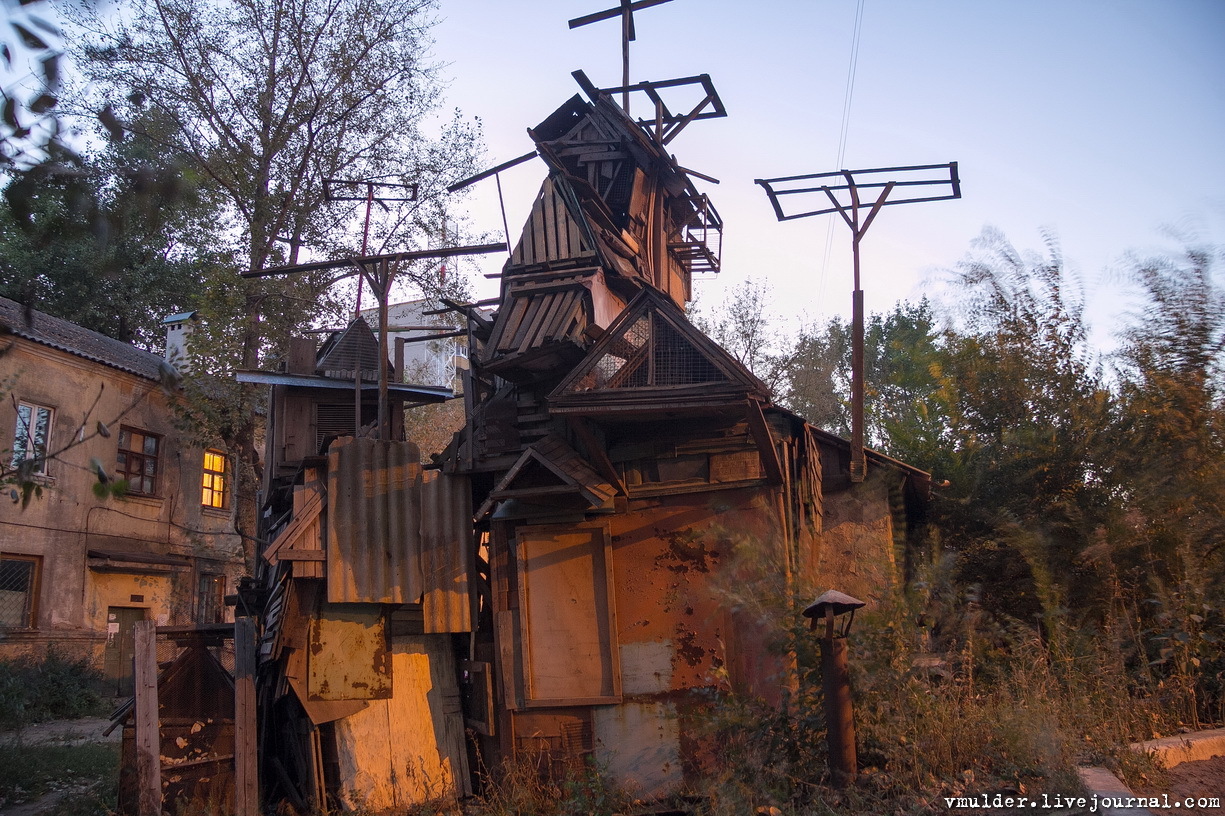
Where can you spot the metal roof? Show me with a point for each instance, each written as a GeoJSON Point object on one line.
{"type": "Point", "coordinates": [422, 393]}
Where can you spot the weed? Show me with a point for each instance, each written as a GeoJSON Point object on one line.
{"type": "Point", "coordinates": [53, 687]}
{"type": "Point", "coordinates": [30, 771]}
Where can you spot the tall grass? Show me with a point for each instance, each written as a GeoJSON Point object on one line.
{"type": "Point", "coordinates": [950, 700]}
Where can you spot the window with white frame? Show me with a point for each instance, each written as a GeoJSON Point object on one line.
{"type": "Point", "coordinates": [32, 436]}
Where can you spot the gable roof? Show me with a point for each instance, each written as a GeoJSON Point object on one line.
{"type": "Point", "coordinates": [549, 468]}
{"type": "Point", "coordinates": [652, 357]}
{"type": "Point", "coordinates": [56, 333]}
{"type": "Point", "coordinates": [353, 348]}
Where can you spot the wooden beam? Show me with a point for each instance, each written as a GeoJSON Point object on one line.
{"type": "Point", "coordinates": [148, 733]}
{"type": "Point", "coordinates": [442, 252]}
{"type": "Point", "coordinates": [596, 452]}
{"type": "Point", "coordinates": [765, 443]}
{"type": "Point", "coordinates": [246, 756]}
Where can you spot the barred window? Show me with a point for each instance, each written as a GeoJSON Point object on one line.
{"type": "Point", "coordinates": [137, 460]}
{"type": "Point", "coordinates": [18, 591]}
{"type": "Point", "coordinates": [215, 486]}
{"type": "Point", "coordinates": [32, 436]}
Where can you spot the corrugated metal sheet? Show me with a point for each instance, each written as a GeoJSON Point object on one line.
{"type": "Point", "coordinates": [374, 516]}
{"type": "Point", "coordinates": [446, 552]}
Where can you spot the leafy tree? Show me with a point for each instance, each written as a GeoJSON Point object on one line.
{"type": "Point", "coordinates": [29, 127]}
{"type": "Point", "coordinates": [907, 397]}
{"type": "Point", "coordinates": [112, 242]}
{"type": "Point", "coordinates": [269, 99]}
{"type": "Point", "coordinates": [742, 325]}
{"type": "Point", "coordinates": [1028, 486]}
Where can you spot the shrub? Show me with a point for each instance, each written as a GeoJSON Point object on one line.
{"type": "Point", "coordinates": [51, 687]}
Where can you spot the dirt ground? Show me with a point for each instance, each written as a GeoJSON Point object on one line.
{"type": "Point", "coordinates": [1204, 778]}
{"type": "Point", "coordinates": [64, 732]}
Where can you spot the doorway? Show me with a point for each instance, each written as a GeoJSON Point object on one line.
{"type": "Point", "coordinates": [119, 664]}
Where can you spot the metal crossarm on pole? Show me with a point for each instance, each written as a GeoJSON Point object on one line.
{"type": "Point", "coordinates": [628, 34]}
{"type": "Point", "coordinates": [839, 192]}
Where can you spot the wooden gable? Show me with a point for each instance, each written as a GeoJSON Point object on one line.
{"type": "Point", "coordinates": [343, 353]}
{"type": "Point", "coordinates": [548, 470]}
{"type": "Point", "coordinates": [552, 233]}
{"type": "Point", "coordinates": [651, 359]}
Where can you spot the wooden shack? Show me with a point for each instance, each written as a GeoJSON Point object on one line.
{"type": "Point", "coordinates": [646, 511]}
{"type": "Point", "coordinates": [364, 581]}
{"type": "Point", "coordinates": [610, 543]}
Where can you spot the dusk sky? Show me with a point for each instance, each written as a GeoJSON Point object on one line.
{"type": "Point", "coordinates": [1100, 121]}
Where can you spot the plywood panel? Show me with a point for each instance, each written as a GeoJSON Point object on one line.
{"type": "Point", "coordinates": [348, 654]}
{"type": "Point", "coordinates": [567, 617]}
{"type": "Point", "coordinates": [408, 749]}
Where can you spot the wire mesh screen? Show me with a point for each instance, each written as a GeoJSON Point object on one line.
{"type": "Point", "coordinates": [620, 365]}
{"type": "Point", "coordinates": [16, 592]}
{"type": "Point", "coordinates": [677, 362]}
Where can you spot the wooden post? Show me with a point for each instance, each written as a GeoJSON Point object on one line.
{"type": "Point", "coordinates": [148, 732]}
{"type": "Point", "coordinates": [246, 770]}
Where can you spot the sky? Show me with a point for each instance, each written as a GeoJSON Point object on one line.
{"type": "Point", "coordinates": [1101, 122]}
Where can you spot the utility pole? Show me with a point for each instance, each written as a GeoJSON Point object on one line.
{"type": "Point", "coordinates": [409, 193]}
{"type": "Point", "coordinates": [837, 188]}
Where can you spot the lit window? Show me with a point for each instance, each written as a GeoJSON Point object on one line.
{"type": "Point", "coordinates": [32, 436]}
{"type": "Point", "coordinates": [215, 489]}
{"type": "Point", "coordinates": [18, 590]}
{"type": "Point", "coordinates": [137, 461]}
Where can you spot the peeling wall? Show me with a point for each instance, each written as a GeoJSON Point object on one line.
{"type": "Point", "coordinates": [59, 527]}
{"type": "Point", "coordinates": [856, 554]}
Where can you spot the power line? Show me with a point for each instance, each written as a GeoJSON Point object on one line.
{"type": "Point", "coordinates": [847, 97]}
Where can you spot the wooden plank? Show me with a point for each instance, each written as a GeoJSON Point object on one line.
{"type": "Point", "coordinates": [311, 508]}
{"type": "Point", "coordinates": [246, 756]}
{"type": "Point", "coordinates": [561, 314]}
{"type": "Point", "coordinates": [539, 248]}
{"type": "Point", "coordinates": [302, 555]}
{"type": "Point", "coordinates": [507, 636]}
{"type": "Point", "coordinates": [765, 442]}
{"type": "Point", "coordinates": [148, 732]}
{"type": "Point", "coordinates": [529, 315]}
{"type": "Point", "coordinates": [552, 250]}
{"type": "Point", "coordinates": [508, 316]}
{"type": "Point", "coordinates": [544, 314]}
{"type": "Point", "coordinates": [567, 615]}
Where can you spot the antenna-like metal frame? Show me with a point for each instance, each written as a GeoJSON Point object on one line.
{"type": "Point", "coordinates": [628, 34]}
{"type": "Point", "coordinates": [842, 191]}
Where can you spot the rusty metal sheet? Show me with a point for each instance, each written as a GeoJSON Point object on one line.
{"type": "Point", "coordinates": [446, 552]}
{"type": "Point", "coordinates": [348, 656]}
{"type": "Point", "coordinates": [373, 550]}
